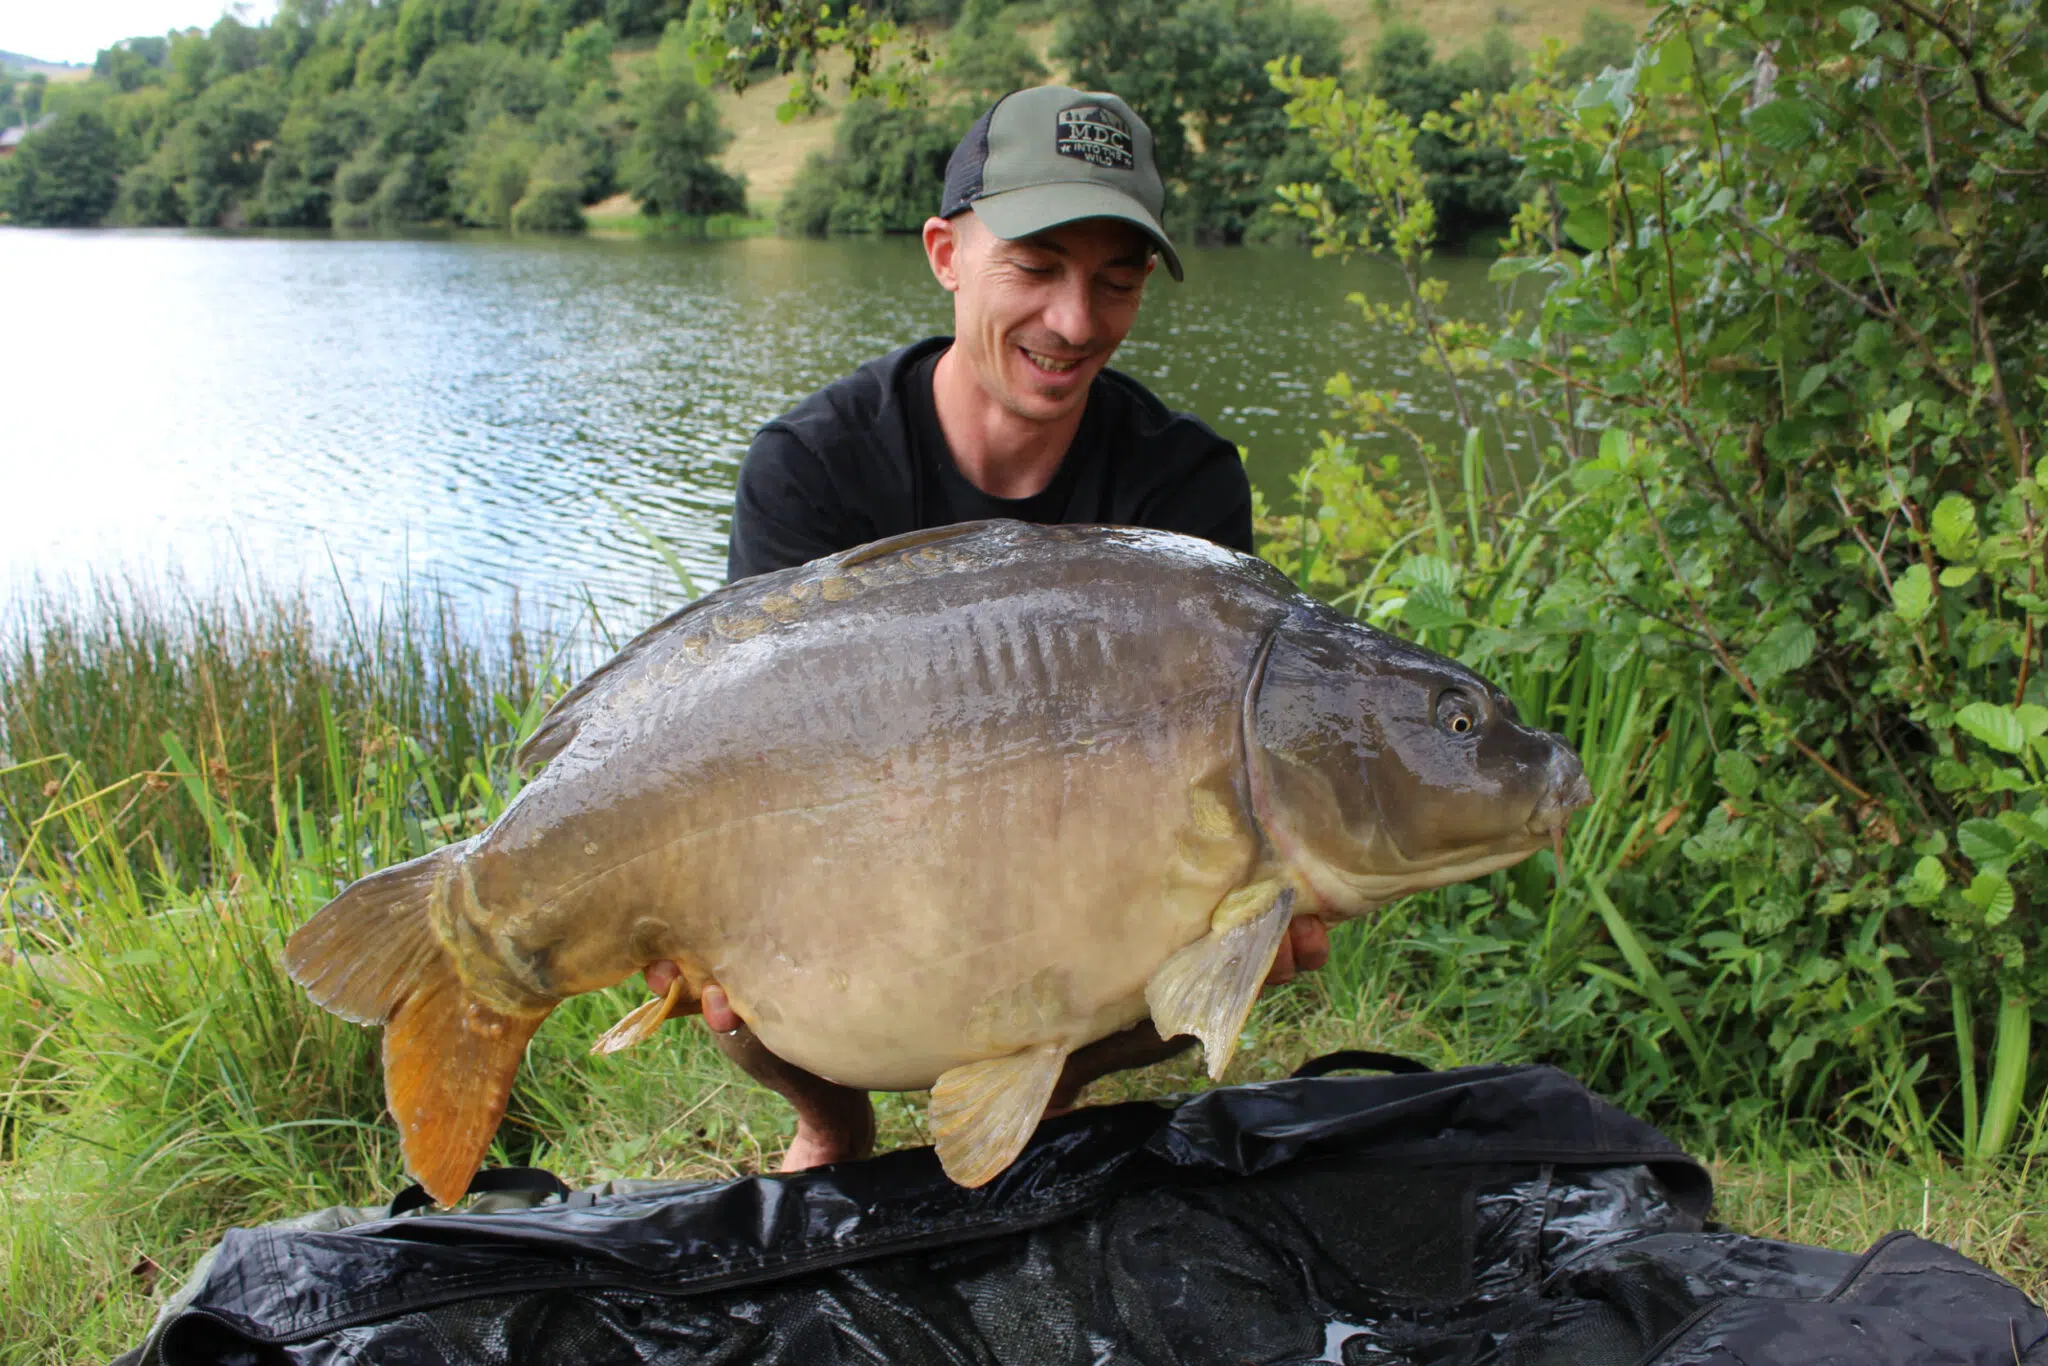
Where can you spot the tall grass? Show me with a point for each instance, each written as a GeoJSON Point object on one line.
{"type": "Point", "coordinates": [186, 781]}
{"type": "Point", "coordinates": [257, 696]}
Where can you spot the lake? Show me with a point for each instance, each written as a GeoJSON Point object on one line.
{"type": "Point", "coordinates": [479, 412]}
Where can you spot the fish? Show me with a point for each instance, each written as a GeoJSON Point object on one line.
{"type": "Point", "coordinates": [934, 813]}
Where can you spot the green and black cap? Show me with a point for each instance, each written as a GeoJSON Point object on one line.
{"type": "Point", "coordinates": [1051, 155]}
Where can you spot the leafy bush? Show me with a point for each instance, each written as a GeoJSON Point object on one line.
{"type": "Point", "coordinates": [670, 165]}
{"type": "Point", "coordinates": [63, 174]}
{"type": "Point", "coordinates": [1773, 313]}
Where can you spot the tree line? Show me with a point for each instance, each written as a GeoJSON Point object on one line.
{"type": "Point", "coordinates": [353, 113]}
{"type": "Point", "coordinates": [514, 113]}
{"type": "Point", "coordinates": [1195, 70]}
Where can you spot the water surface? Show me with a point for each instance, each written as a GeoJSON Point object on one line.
{"type": "Point", "coordinates": [475, 411]}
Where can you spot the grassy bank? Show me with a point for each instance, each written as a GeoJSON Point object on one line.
{"type": "Point", "coordinates": [182, 782]}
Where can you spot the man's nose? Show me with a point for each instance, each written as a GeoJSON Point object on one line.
{"type": "Point", "coordinates": [1071, 312]}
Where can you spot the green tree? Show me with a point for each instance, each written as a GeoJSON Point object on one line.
{"type": "Point", "coordinates": [586, 58]}
{"type": "Point", "coordinates": [885, 171]}
{"type": "Point", "coordinates": [986, 57]}
{"type": "Point", "coordinates": [63, 175]}
{"type": "Point", "coordinates": [1472, 185]}
{"type": "Point", "coordinates": [1191, 71]}
{"type": "Point", "coordinates": [492, 177]}
{"type": "Point", "coordinates": [670, 165]}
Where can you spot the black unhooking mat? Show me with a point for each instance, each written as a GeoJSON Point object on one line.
{"type": "Point", "coordinates": [1501, 1216]}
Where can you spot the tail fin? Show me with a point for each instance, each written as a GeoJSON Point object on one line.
{"type": "Point", "coordinates": [371, 956]}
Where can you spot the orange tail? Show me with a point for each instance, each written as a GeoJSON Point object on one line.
{"type": "Point", "coordinates": [371, 956]}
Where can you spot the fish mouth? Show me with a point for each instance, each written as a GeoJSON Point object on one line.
{"type": "Point", "coordinates": [1567, 792]}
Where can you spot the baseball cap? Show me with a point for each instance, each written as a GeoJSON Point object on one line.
{"type": "Point", "coordinates": [1051, 155]}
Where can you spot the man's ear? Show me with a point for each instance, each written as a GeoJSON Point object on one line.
{"type": "Point", "coordinates": [942, 250]}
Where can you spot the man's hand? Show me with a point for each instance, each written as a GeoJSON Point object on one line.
{"type": "Point", "coordinates": [1306, 948]}
{"type": "Point", "coordinates": [718, 1012]}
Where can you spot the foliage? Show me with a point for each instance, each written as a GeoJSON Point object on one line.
{"type": "Point", "coordinates": [670, 165]}
{"type": "Point", "coordinates": [885, 171]}
{"type": "Point", "coordinates": [358, 114]}
{"type": "Point", "coordinates": [986, 58]}
{"type": "Point", "coordinates": [63, 174]}
{"type": "Point", "coordinates": [1191, 68]}
{"type": "Point", "coordinates": [1472, 185]}
{"type": "Point", "coordinates": [1770, 318]}
{"type": "Point", "coordinates": [731, 38]}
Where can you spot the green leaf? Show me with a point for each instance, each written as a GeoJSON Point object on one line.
{"type": "Point", "coordinates": [1913, 593]}
{"type": "Point", "coordinates": [1588, 227]}
{"type": "Point", "coordinates": [2037, 113]}
{"type": "Point", "coordinates": [1788, 647]}
{"type": "Point", "coordinates": [1615, 447]}
{"type": "Point", "coordinates": [1785, 125]}
{"type": "Point", "coordinates": [2033, 719]}
{"type": "Point", "coordinates": [1736, 772]}
{"type": "Point", "coordinates": [1984, 841]}
{"type": "Point", "coordinates": [1957, 575]}
{"type": "Point", "coordinates": [1929, 877]}
{"type": "Point", "coordinates": [1860, 22]}
{"type": "Point", "coordinates": [1990, 893]}
{"type": "Point", "coordinates": [1895, 421]}
{"type": "Point", "coordinates": [1508, 267]}
{"type": "Point", "coordinates": [1432, 605]}
{"type": "Point", "coordinates": [1998, 727]}
{"type": "Point", "coordinates": [1954, 527]}
{"type": "Point", "coordinates": [1815, 376]}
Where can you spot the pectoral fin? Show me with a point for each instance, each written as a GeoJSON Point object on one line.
{"type": "Point", "coordinates": [983, 1113]}
{"type": "Point", "coordinates": [1207, 989]}
{"type": "Point", "coordinates": [639, 1026]}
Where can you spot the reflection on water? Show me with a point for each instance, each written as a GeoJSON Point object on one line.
{"type": "Point", "coordinates": [472, 410]}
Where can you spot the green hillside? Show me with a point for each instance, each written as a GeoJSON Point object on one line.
{"type": "Point", "coordinates": [359, 114]}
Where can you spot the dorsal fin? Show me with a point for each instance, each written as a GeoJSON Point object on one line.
{"type": "Point", "coordinates": [909, 540]}
{"type": "Point", "coordinates": [563, 720]}
{"type": "Point", "coordinates": [574, 707]}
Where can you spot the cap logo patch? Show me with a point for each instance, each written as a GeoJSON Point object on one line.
{"type": "Point", "coordinates": [1090, 133]}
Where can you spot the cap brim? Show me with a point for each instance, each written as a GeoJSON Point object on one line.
{"type": "Point", "coordinates": [1036, 208]}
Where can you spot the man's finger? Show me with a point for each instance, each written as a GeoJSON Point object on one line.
{"type": "Point", "coordinates": [718, 1012]}
{"type": "Point", "coordinates": [1310, 940]}
{"type": "Point", "coordinates": [661, 975]}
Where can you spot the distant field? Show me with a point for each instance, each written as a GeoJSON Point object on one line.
{"type": "Point", "coordinates": [56, 71]}
{"type": "Point", "coordinates": [769, 152]}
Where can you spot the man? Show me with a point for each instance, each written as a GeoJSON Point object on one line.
{"type": "Point", "coordinates": [1048, 231]}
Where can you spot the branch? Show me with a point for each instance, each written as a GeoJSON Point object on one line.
{"type": "Point", "coordinates": [1968, 51]}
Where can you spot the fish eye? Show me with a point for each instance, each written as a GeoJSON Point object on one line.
{"type": "Point", "coordinates": [1455, 713]}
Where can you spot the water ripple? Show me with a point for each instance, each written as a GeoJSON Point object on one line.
{"type": "Point", "coordinates": [472, 409]}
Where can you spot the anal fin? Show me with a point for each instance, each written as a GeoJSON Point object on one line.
{"type": "Point", "coordinates": [449, 1061]}
{"type": "Point", "coordinates": [983, 1113]}
{"type": "Point", "coordinates": [1207, 989]}
{"type": "Point", "coordinates": [640, 1024]}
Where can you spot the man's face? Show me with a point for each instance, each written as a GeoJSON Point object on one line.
{"type": "Point", "coordinates": [1039, 317]}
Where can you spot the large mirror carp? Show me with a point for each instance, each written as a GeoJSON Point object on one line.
{"type": "Point", "coordinates": [937, 812]}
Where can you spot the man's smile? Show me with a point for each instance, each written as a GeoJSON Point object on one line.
{"type": "Point", "coordinates": [1052, 365]}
